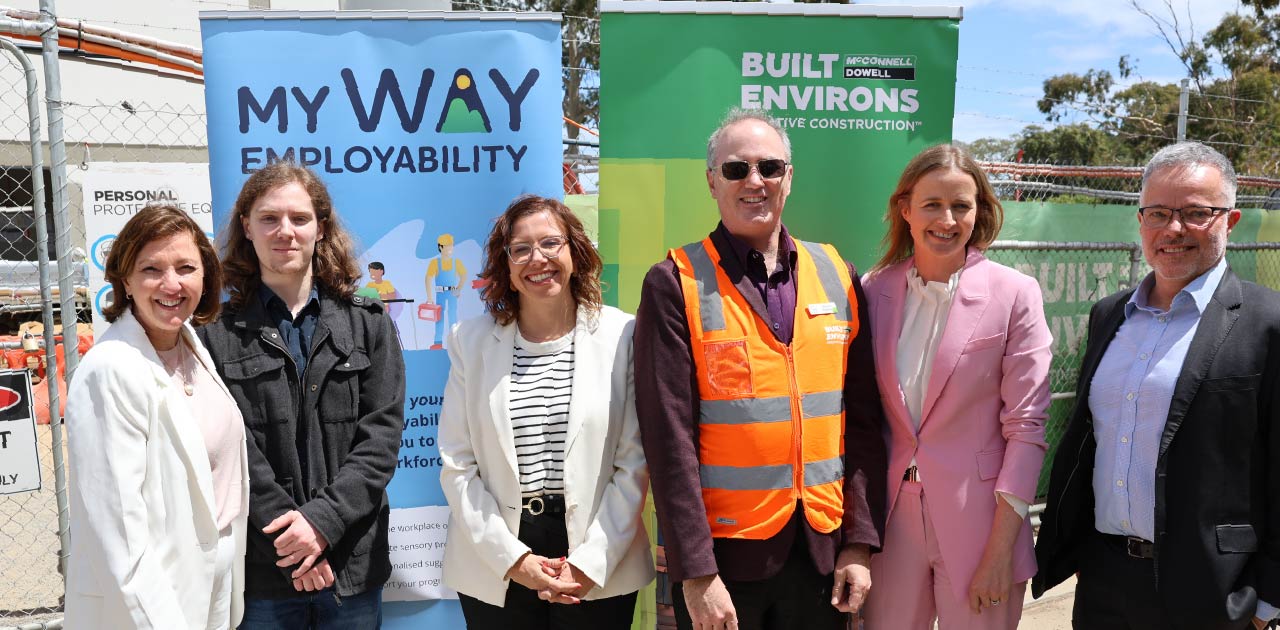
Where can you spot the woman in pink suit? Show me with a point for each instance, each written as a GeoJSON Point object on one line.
{"type": "Point", "coordinates": [962, 355]}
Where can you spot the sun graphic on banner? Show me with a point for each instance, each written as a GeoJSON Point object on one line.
{"type": "Point", "coordinates": [464, 111]}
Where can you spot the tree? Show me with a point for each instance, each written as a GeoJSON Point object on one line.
{"type": "Point", "coordinates": [991, 149]}
{"type": "Point", "coordinates": [1077, 143]}
{"type": "Point", "coordinates": [1234, 70]}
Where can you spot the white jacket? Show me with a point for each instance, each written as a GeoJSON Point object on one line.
{"type": "Point", "coordinates": [144, 538]}
{"type": "Point", "coordinates": [605, 475]}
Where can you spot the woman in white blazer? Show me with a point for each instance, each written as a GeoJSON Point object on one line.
{"type": "Point", "coordinates": [159, 476]}
{"type": "Point", "coordinates": [542, 463]}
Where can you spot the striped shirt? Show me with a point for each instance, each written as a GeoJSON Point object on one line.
{"type": "Point", "coordinates": [541, 386]}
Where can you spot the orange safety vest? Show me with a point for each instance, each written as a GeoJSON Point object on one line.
{"type": "Point", "coordinates": [771, 426]}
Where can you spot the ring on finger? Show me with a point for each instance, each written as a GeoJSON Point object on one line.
{"type": "Point", "coordinates": [995, 602]}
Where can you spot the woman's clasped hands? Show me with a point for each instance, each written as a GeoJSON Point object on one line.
{"type": "Point", "coordinates": [554, 579]}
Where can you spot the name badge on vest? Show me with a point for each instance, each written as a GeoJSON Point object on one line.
{"type": "Point", "coordinates": [821, 308]}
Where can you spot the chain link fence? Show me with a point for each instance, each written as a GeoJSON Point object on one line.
{"type": "Point", "coordinates": [31, 522]}
{"type": "Point", "coordinates": [1116, 184]}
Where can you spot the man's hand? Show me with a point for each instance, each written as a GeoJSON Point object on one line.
{"type": "Point", "coordinates": [568, 574]}
{"type": "Point", "coordinates": [538, 573]}
{"type": "Point", "coordinates": [852, 578]}
{"type": "Point", "coordinates": [300, 542]}
{"type": "Point", "coordinates": [456, 291]}
{"type": "Point", "coordinates": [709, 605]}
{"type": "Point", "coordinates": [319, 577]}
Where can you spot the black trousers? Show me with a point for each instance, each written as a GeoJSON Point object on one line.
{"type": "Point", "coordinates": [1116, 591]}
{"type": "Point", "coordinates": [796, 597]}
{"type": "Point", "coordinates": [546, 536]}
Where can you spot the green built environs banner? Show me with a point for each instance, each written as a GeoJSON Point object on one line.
{"type": "Point", "coordinates": [860, 89]}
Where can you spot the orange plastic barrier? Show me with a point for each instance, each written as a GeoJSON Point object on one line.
{"type": "Point", "coordinates": [35, 361]}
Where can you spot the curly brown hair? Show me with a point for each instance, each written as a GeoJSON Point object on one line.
{"type": "Point", "coordinates": [503, 301]}
{"type": "Point", "coordinates": [153, 223]}
{"type": "Point", "coordinates": [333, 268]}
{"type": "Point", "coordinates": [897, 241]}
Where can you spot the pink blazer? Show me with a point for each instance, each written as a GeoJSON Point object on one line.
{"type": "Point", "coordinates": [982, 422]}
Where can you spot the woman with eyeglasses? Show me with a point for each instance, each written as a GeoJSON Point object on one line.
{"type": "Point", "coordinates": [541, 458]}
{"type": "Point", "coordinates": [962, 351]}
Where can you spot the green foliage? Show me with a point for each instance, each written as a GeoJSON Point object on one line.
{"type": "Point", "coordinates": [991, 149]}
{"type": "Point", "coordinates": [1066, 91]}
{"type": "Point", "coordinates": [1078, 143]}
{"type": "Point", "coordinates": [1075, 198]}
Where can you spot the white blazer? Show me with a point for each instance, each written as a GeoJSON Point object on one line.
{"type": "Point", "coordinates": [605, 475]}
{"type": "Point", "coordinates": [144, 539]}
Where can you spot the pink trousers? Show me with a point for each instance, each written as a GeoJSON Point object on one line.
{"type": "Point", "coordinates": [910, 586]}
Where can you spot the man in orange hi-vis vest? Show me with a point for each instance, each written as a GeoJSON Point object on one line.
{"type": "Point", "coordinates": [758, 407]}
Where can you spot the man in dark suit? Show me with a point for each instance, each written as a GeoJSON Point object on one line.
{"type": "Point", "coordinates": [1165, 492]}
{"type": "Point", "coordinates": [765, 526]}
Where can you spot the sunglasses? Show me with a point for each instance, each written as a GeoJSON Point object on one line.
{"type": "Point", "coordinates": [738, 169]}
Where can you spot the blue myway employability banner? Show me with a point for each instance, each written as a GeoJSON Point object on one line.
{"type": "Point", "coordinates": [424, 127]}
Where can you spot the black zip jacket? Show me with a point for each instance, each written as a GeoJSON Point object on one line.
{"type": "Point", "coordinates": [347, 411]}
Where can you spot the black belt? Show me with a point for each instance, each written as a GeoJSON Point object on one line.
{"type": "Point", "coordinates": [1132, 545]}
{"type": "Point", "coordinates": [439, 289]}
{"type": "Point", "coordinates": [912, 474]}
{"type": "Point", "coordinates": [546, 504]}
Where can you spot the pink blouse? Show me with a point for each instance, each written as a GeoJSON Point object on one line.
{"type": "Point", "coordinates": [220, 425]}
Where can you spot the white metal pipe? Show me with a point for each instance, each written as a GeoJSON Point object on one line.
{"type": "Point", "coordinates": [80, 25]}
{"type": "Point", "coordinates": [133, 48]}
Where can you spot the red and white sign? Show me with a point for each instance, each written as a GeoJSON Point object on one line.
{"type": "Point", "coordinates": [19, 448]}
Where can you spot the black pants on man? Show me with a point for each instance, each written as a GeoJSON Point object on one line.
{"type": "Point", "coordinates": [796, 597]}
{"type": "Point", "coordinates": [1116, 591]}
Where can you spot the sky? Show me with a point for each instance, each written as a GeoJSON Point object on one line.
{"type": "Point", "coordinates": [1009, 47]}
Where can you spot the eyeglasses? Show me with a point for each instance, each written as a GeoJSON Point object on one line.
{"type": "Point", "coordinates": [739, 169]}
{"type": "Point", "coordinates": [1194, 216]}
{"type": "Point", "coordinates": [521, 253]}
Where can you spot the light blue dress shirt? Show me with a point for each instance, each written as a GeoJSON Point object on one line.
{"type": "Point", "coordinates": [1129, 398]}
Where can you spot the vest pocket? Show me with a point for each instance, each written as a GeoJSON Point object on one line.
{"type": "Point", "coordinates": [728, 368]}
{"type": "Point", "coordinates": [1236, 539]}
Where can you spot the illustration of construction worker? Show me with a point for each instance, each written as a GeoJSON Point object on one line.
{"type": "Point", "coordinates": [445, 275]}
{"type": "Point", "coordinates": [376, 282]}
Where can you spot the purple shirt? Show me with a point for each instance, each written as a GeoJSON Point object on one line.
{"type": "Point", "coordinates": [778, 290]}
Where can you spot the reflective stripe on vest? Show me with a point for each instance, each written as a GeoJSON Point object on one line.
{"type": "Point", "coordinates": [771, 415]}
{"type": "Point", "coordinates": [770, 477]}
